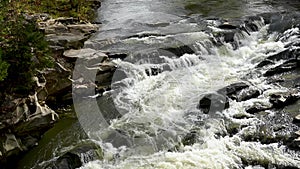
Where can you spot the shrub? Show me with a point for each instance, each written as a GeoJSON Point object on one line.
{"type": "Point", "coordinates": [23, 50]}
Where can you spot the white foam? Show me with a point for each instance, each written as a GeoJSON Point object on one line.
{"type": "Point", "coordinates": [154, 108]}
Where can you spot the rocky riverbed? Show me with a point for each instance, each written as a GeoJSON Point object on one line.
{"type": "Point", "coordinates": [254, 111]}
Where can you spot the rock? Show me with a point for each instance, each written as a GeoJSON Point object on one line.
{"type": "Point", "coordinates": [247, 94]}
{"type": "Point", "coordinates": [280, 100]}
{"type": "Point", "coordinates": [179, 50]}
{"type": "Point", "coordinates": [213, 102]}
{"type": "Point", "coordinates": [297, 119]}
{"type": "Point", "coordinates": [297, 133]}
{"type": "Point", "coordinates": [287, 54]}
{"type": "Point", "coordinates": [41, 120]}
{"type": "Point", "coordinates": [86, 54]}
{"type": "Point", "coordinates": [232, 90]}
{"type": "Point", "coordinates": [190, 138]}
{"type": "Point", "coordinates": [264, 63]}
{"type": "Point", "coordinates": [258, 107]}
{"type": "Point", "coordinates": [29, 141]}
{"type": "Point", "coordinates": [227, 25]}
{"type": "Point", "coordinates": [77, 156]}
{"type": "Point", "coordinates": [116, 55]}
{"type": "Point", "coordinates": [285, 67]}
{"type": "Point", "coordinates": [35, 116]}
{"type": "Point", "coordinates": [37, 17]}
{"type": "Point", "coordinates": [280, 23]}
{"type": "Point", "coordinates": [153, 71]}
{"type": "Point", "coordinates": [58, 83]}
{"type": "Point", "coordinates": [82, 28]}
{"type": "Point", "coordinates": [68, 161]}
{"type": "Point", "coordinates": [10, 145]}
{"type": "Point", "coordinates": [68, 41]}
{"type": "Point", "coordinates": [67, 21]}
{"type": "Point", "coordinates": [250, 26]}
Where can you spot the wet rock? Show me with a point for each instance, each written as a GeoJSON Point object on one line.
{"type": "Point", "coordinates": [264, 63]}
{"type": "Point", "coordinates": [297, 133]}
{"type": "Point", "coordinates": [280, 23]}
{"type": "Point", "coordinates": [297, 119]}
{"type": "Point", "coordinates": [247, 94]}
{"type": "Point", "coordinates": [227, 25]}
{"type": "Point", "coordinates": [78, 155]}
{"type": "Point", "coordinates": [29, 141]}
{"type": "Point", "coordinates": [233, 89]}
{"type": "Point", "coordinates": [285, 67]}
{"type": "Point", "coordinates": [68, 161]}
{"type": "Point", "coordinates": [190, 138]}
{"type": "Point", "coordinates": [153, 71]}
{"type": "Point", "coordinates": [288, 54]}
{"type": "Point", "coordinates": [179, 50]}
{"type": "Point", "coordinates": [250, 26]}
{"type": "Point", "coordinates": [277, 128]}
{"type": "Point", "coordinates": [213, 102]}
{"type": "Point", "coordinates": [258, 107]}
{"type": "Point", "coordinates": [280, 100]}
{"type": "Point", "coordinates": [116, 55]}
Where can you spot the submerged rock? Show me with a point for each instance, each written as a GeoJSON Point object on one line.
{"type": "Point", "coordinates": [213, 102]}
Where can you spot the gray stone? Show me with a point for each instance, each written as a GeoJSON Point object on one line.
{"type": "Point", "coordinates": [213, 102]}
{"type": "Point", "coordinates": [68, 41]}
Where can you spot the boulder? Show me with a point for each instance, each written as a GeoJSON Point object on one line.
{"type": "Point", "coordinates": [247, 94]}
{"type": "Point", "coordinates": [75, 157]}
{"type": "Point", "coordinates": [213, 102]}
{"type": "Point", "coordinates": [280, 100]}
{"type": "Point", "coordinates": [40, 120]}
{"type": "Point", "coordinates": [233, 89]}
{"type": "Point", "coordinates": [284, 67]}
{"type": "Point", "coordinates": [68, 161]}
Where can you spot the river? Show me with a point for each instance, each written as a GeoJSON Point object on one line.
{"type": "Point", "coordinates": [153, 116]}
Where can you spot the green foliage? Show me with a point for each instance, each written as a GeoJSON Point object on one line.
{"type": "Point", "coordinates": [3, 68]}
{"type": "Point", "coordinates": [81, 9]}
{"type": "Point", "coordinates": [23, 50]}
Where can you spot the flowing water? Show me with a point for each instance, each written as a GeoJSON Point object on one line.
{"type": "Point", "coordinates": [155, 113]}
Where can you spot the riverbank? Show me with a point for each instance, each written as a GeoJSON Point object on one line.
{"type": "Point", "coordinates": [26, 116]}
